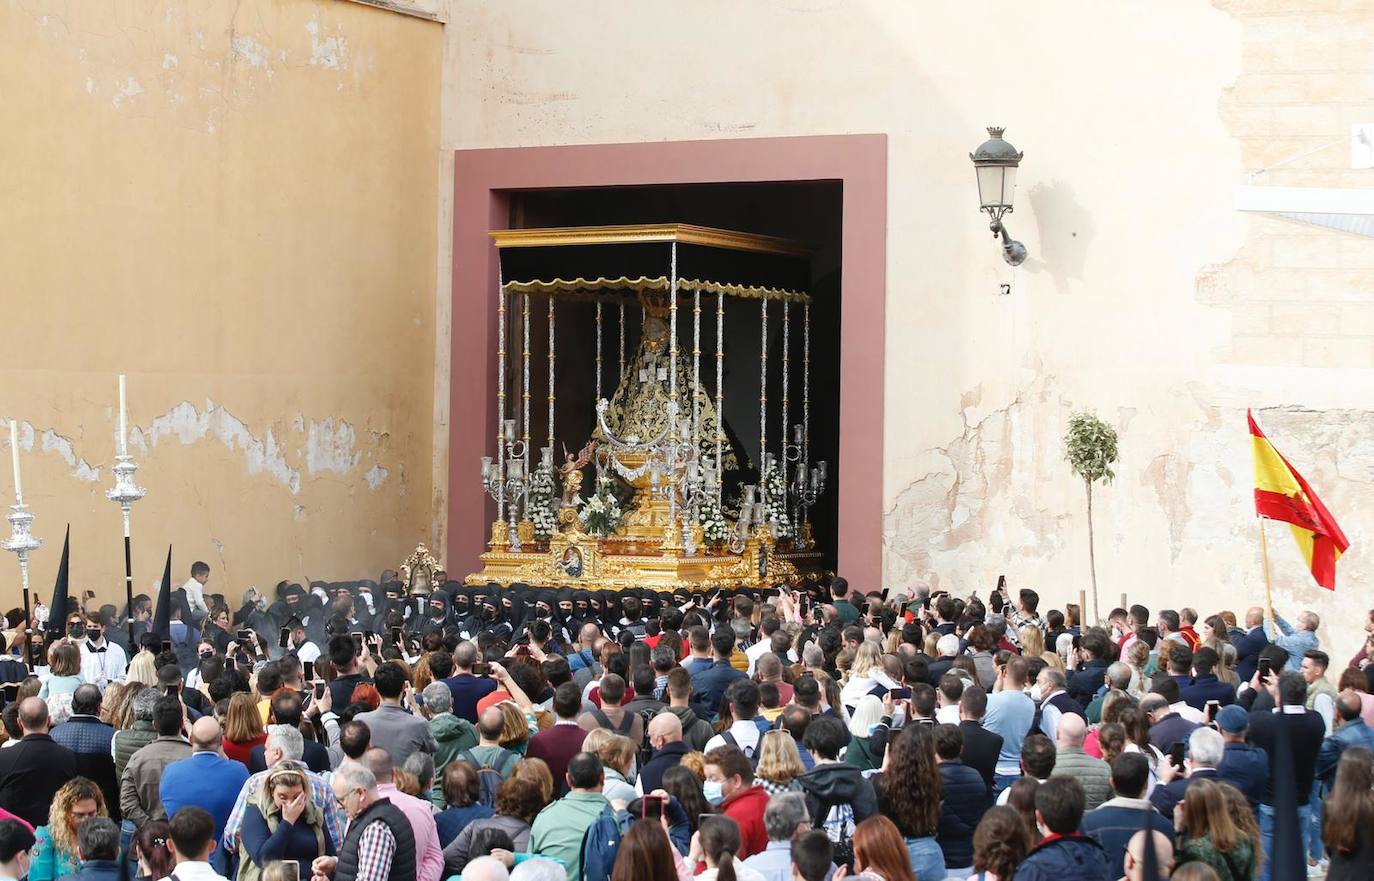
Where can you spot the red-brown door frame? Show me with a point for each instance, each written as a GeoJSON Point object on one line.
{"type": "Point", "coordinates": [484, 178]}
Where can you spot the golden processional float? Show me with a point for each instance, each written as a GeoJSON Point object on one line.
{"type": "Point", "coordinates": [657, 513]}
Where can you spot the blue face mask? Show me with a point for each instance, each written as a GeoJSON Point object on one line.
{"type": "Point", "coordinates": [713, 791]}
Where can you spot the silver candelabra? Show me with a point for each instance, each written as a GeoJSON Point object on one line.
{"type": "Point", "coordinates": [21, 542]}
{"type": "Point", "coordinates": [506, 481]}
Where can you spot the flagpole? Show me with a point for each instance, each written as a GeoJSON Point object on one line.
{"type": "Point", "coordinates": [125, 493]}
{"type": "Point", "coordinates": [1268, 586]}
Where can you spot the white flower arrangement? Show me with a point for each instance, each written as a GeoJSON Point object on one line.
{"type": "Point", "coordinates": [543, 504]}
{"type": "Point", "coordinates": [714, 527]}
{"type": "Point", "coordinates": [777, 502]}
{"type": "Point", "coordinates": [601, 515]}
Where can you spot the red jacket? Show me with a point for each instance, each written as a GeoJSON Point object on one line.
{"type": "Point", "coordinates": [746, 809]}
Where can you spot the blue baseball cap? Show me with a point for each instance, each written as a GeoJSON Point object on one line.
{"type": "Point", "coordinates": [1233, 719]}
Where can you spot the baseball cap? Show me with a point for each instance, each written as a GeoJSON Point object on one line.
{"type": "Point", "coordinates": [1233, 719]}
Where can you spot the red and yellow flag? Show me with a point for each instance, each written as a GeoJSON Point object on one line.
{"type": "Point", "coordinates": [1281, 493]}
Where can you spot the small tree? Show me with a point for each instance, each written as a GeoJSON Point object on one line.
{"type": "Point", "coordinates": [1090, 446]}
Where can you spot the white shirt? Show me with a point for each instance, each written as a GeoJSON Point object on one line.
{"type": "Point", "coordinates": [948, 715]}
{"type": "Point", "coordinates": [102, 668]}
{"type": "Point", "coordinates": [192, 871]}
{"type": "Point", "coordinates": [195, 598]}
{"type": "Point", "coordinates": [746, 735]}
{"type": "Point", "coordinates": [756, 651]}
{"type": "Point", "coordinates": [1191, 714]}
{"type": "Point", "coordinates": [308, 652]}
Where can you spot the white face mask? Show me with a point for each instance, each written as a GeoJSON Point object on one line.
{"type": "Point", "coordinates": [1035, 693]}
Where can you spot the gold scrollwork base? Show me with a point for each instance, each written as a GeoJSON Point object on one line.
{"type": "Point", "coordinates": [577, 559]}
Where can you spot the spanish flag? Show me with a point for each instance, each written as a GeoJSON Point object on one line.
{"type": "Point", "coordinates": [1281, 493]}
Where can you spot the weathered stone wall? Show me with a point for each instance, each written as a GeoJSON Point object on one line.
{"type": "Point", "coordinates": [1146, 296]}
{"type": "Point", "coordinates": [234, 204]}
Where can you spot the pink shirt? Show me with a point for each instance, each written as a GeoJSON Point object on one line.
{"type": "Point", "coordinates": [429, 857]}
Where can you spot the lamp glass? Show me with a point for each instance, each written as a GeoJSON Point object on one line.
{"type": "Point", "coordinates": [996, 185]}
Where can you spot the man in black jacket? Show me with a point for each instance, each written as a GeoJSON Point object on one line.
{"type": "Point", "coordinates": [981, 746]}
{"type": "Point", "coordinates": [378, 833]}
{"type": "Point", "coordinates": [36, 767]}
{"type": "Point", "coordinates": [1306, 730]}
{"type": "Point", "coordinates": [1085, 683]}
{"type": "Point", "coordinates": [965, 800]}
{"type": "Point", "coordinates": [832, 782]}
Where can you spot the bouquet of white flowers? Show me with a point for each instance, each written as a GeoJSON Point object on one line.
{"type": "Point", "coordinates": [714, 528]}
{"type": "Point", "coordinates": [777, 501]}
{"type": "Point", "coordinates": [601, 515]}
{"type": "Point", "coordinates": [543, 504]}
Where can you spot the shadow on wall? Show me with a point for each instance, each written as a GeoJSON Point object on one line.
{"type": "Point", "coordinates": [1065, 230]}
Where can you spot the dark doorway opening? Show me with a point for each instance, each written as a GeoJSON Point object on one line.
{"type": "Point", "coordinates": [810, 212]}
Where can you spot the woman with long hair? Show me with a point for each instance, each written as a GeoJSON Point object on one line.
{"type": "Point", "coordinates": [980, 639]}
{"type": "Point", "coordinates": [537, 772]}
{"type": "Point", "coordinates": [1348, 823]}
{"type": "Point", "coordinates": [909, 792]}
{"type": "Point", "coordinates": [155, 860]}
{"type": "Point", "coordinates": [1000, 843]}
{"type": "Point", "coordinates": [647, 854]}
{"type": "Point", "coordinates": [715, 844]}
{"type": "Point", "coordinates": [77, 801]}
{"type": "Point", "coordinates": [1208, 833]}
{"type": "Point", "coordinates": [515, 735]}
{"type": "Point", "coordinates": [780, 763]}
{"type": "Point", "coordinates": [1213, 627]}
{"type": "Point", "coordinates": [880, 852]}
{"type": "Point", "coordinates": [685, 786]}
{"type": "Point", "coordinates": [1137, 657]}
{"type": "Point", "coordinates": [243, 728]}
{"type": "Point", "coordinates": [868, 734]}
{"type": "Point", "coordinates": [282, 822]}
{"type": "Point", "coordinates": [518, 802]}
{"type": "Point", "coordinates": [1021, 799]}
{"type": "Point", "coordinates": [1032, 640]}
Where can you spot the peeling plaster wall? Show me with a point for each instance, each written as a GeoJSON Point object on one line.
{"type": "Point", "coordinates": [234, 204]}
{"type": "Point", "coordinates": [1136, 129]}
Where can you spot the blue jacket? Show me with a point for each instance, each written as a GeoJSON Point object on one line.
{"type": "Point", "coordinates": [1165, 797]}
{"type": "Point", "coordinates": [709, 685]}
{"type": "Point", "coordinates": [98, 870]}
{"type": "Point", "coordinates": [1248, 648]}
{"type": "Point", "coordinates": [206, 780]}
{"type": "Point", "coordinates": [1074, 857]}
{"type": "Point", "coordinates": [1295, 642]}
{"type": "Point", "coordinates": [1207, 688]}
{"type": "Point", "coordinates": [651, 775]}
{"type": "Point", "coordinates": [1113, 824]}
{"type": "Point", "coordinates": [1352, 733]}
{"type": "Point", "coordinates": [965, 802]}
{"type": "Point", "coordinates": [1083, 685]}
{"type": "Point", "coordinates": [1245, 767]}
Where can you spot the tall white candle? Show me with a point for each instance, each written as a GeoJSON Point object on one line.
{"type": "Point", "coordinates": [14, 456]}
{"type": "Point", "coordinates": [123, 420]}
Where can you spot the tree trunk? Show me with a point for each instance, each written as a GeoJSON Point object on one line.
{"type": "Point", "coordinates": [1092, 556]}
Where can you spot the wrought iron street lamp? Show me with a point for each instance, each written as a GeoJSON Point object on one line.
{"type": "Point", "coordinates": [995, 162]}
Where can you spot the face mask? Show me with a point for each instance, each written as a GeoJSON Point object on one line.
{"type": "Point", "coordinates": [1035, 693]}
{"type": "Point", "coordinates": [872, 728]}
{"type": "Point", "coordinates": [1116, 633]}
{"type": "Point", "coordinates": [713, 791]}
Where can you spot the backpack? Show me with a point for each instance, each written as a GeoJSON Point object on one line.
{"type": "Point", "coordinates": [488, 777]}
{"type": "Point", "coordinates": [601, 843]}
{"type": "Point", "coordinates": [646, 752]}
{"type": "Point", "coordinates": [751, 754]}
{"type": "Point", "coordinates": [627, 721]}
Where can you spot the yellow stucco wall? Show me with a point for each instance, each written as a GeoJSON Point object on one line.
{"type": "Point", "coordinates": [234, 204]}
{"type": "Point", "coordinates": [1146, 296]}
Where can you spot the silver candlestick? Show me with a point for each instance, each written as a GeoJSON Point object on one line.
{"type": "Point", "coordinates": [126, 492]}
{"type": "Point", "coordinates": [22, 542]}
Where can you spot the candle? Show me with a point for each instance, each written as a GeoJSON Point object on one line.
{"type": "Point", "coordinates": [123, 419]}
{"type": "Point", "coordinates": [815, 479]}
{"type": "Point", "coordinates": [797, 435]}
{"type": "Point", "coordinates": [486, 467]}
{"type": "Point", "coordinates": [14, 455]}
{"type": "Point", "coordinates": [801, 474]}
{"type": "Point", "coordinates": [822, 467]}
{"type": "Point", "coordinates": [546, 458]}
{"type": "Point", "coordinates": [760, 512]}
{"type": "Point", "coordinates": [510, 429]}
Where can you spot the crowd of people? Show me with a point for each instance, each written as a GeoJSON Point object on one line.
{"type": "Point", "coordinates": [362, 732]}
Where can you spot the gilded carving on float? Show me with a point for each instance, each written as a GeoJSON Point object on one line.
{"type": "Point", "coordinates": [666, 505]}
